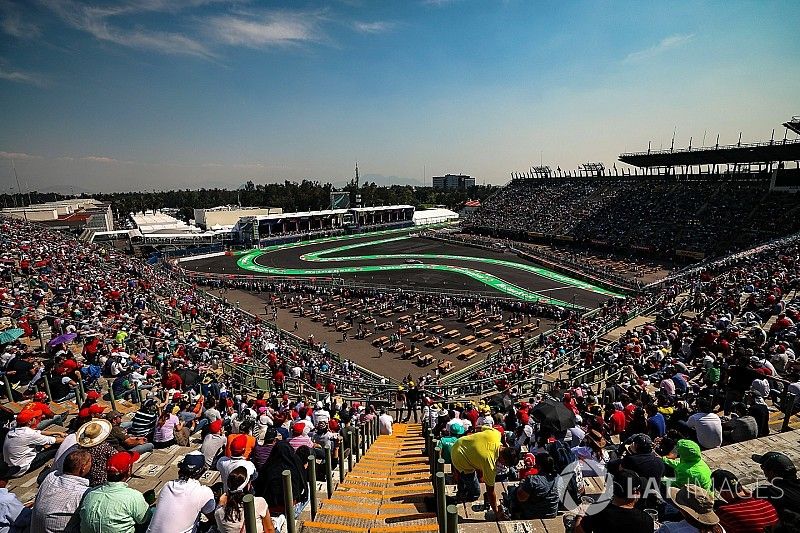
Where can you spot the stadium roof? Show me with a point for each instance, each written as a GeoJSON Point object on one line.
{"type": "Point", "coordinates": [766, 152]}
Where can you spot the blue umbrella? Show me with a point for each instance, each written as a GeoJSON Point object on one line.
{"type": "Point", "coordinates": [10, 335]}
{"type": "Point", "coordinates": [66, 337]}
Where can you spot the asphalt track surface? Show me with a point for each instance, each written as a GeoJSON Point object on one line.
{"type": "Point", "coordinates": [381, 258]}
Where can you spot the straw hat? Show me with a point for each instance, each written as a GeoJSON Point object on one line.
{"type": "Point", "coordinates": [93, 433]}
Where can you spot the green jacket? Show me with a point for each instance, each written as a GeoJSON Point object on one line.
{"type": "Point", "coordinates": [690, 467]}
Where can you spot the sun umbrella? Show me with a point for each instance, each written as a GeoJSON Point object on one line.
{"type": "Point", "coordinates": [189, 376]}
{"type": "Point", "coordinates": [66, 337]}
{"type": "Point", "coordinates": [10, 335]}
{"type": "Point", "coordinates": [553, 414]}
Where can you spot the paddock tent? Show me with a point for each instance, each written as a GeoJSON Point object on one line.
{"type": "Point", "coordinates": [433, 216]}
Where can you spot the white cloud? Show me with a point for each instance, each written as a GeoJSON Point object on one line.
{"type": "Point", "coordinates": [438, 3]}
{"type": "Point", "coordinates": [22, 77]}
{"type": "Point", "coordinates": [13, 24]}
{"type": "Point", "coordinates": [94, 20]}
{"type": "Point", "coordinates": [271, 29]}
{"type": "Point", "coordinates": [667, 43]}
{"type": "Point", "coordinates": [22, 156]}
{"type": "Point", "coordinates": [103, 159]}
{"type": "Point", "coordinates": [373, 27]}
{"type": "Point", "coordinates": [234, 165]}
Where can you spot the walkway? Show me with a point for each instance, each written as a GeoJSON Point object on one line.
{"type": "Point", "coordinates": [385, 492]}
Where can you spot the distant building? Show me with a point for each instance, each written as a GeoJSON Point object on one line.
{"type": "Point", "coordinates": [227, 216]}
{"type": "Point", "coordinates": [75, 215]}
{"type": "Point", "coordinates": [453, 181]}
{"type": "Point", "coordinates": [469, 207]}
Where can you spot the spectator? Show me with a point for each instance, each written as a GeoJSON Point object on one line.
{"type": "Point", "coordinates": [537, 495]}
{"type": "Point", "coordinates": [690, 469]}
{"type": "Point", "coordinates": [739, 511]}
{"type": "Point", "coordinates": [114, 506]}
{"type": "Point", "coordinates": [638, 456]}
{"type": "Point", "coordinates": [166, 426]}
{"type": "Point", "coordinates": [22, 444]}
{"type": "Point", "coordinates": [480, 452]}
{"type": "Point", "coordinates": [13, 515]}
{"type": "Point", "coordinates": [121, 441]}
{"type": "Point", "coordinates": [229, 516]}
{"type": "Point", "coordinates": [226, 464]}
{"type": "Point", "coordinates": [385, 422]}
{"type": "Point", "coordinates": [300, 436]}
{"type": "Point", "coordinates": [620, 514]}
{"type": "Point", "coordinates": [242, 433]}
{"type": "Point", "coordinates": [92, 436]}
{"type": "Point", "coordinates": [213, 446]}
{"type": "Point", "coordinates": [262, 450]}
{"type": "Point", "coordinates": [183, 500]}
{"type": "Point", "coordinates": [60, 495]}
{"type": "Point", "coordinates": [144, 420]}
{"type": "Point", "coordinates": [784, 487]}
{"type": "Point", "coordinates": [269, 483]}
{"type": "Point", "coordinates": [696, 506]}
{"type": "Point", "coordinates": [742, 427]}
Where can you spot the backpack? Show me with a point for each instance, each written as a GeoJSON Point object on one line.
{"type": "Point", "coordinates": [561, 453]}
{"type": "Point", "coordinates": [563, 456]}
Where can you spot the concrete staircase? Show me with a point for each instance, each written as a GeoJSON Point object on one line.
{"type": "Point", "coordinates": [384, 493]}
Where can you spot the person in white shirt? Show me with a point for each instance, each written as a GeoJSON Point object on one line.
{"type": "Point", "coordinates": [20, 449]}
{"type": "Point", "coordinates": [385, 421]}
{"type": "Point", "coordinates": [321, 414]}
{"type": "Point", "coordinates": [761, 386]}
{"type": "Point", "coordinates": [707, 426]}
{"type": "Point", "coordinates": [182, 500]}
{"type": "Point", "coordinates": [226, 465]}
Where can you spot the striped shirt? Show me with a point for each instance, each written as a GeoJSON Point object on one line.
{"type": "Point", "coordinates": [747, 515]}
{"type": "Point", "coordinates": [143, 424]}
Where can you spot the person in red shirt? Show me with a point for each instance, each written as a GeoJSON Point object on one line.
{"type": "Point", "coordinates": [279, 379]}
{"type": "Point", "coordinates": [40, 402]}
{"type": "Point", "coordinates": [739, 511]}
{"type": "Point", "coordinates": [173, 381]}
{"type": "Point", "coordinates": [617, 421]}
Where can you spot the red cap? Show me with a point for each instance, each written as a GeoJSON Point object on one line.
{"type": "Point", "coordinates": [26, 415]}
{"type": "Point", "coordinates": [40, 397]}
{"type": "Point", "coordinates": [177, 396]}
{"type": "Point", "coordinates": [92, 395]}
{"type": "Point", "coordinates": [333, 425]}
{"type": "Point", "coordinates": [84, 413]}
{"type": "Point", "coordinates": [96, 409]}
{"type": "Point", "coordinates": [298, 428]}
{"type": "Point", "coordinates": [215, 426]}
{"type": "Point", "coordinates": [239, 444]}
{"type": "Point", "coordinates": [121, 462]}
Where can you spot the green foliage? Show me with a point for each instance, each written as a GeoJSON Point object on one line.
{"type": "Point", "coordinates": [291, 196]}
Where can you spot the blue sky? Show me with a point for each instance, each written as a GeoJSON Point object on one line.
{"type": "Point", "coordinates": [183, 93]}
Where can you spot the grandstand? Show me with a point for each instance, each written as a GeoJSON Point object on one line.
{"type": "Point", "coordinates": [678, 205]}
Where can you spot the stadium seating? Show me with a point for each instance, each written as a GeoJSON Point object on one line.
{"type": "Point", "coordinates": [653, 214]}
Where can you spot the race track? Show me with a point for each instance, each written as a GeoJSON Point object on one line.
{"type": "Point", "coordinates": [396, 257]}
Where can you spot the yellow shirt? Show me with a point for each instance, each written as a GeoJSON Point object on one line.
{"type": "Point", "coordinates": [478, 452]}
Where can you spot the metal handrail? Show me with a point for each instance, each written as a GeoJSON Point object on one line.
{"type": "Point", "coordinates": [712, 148]}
